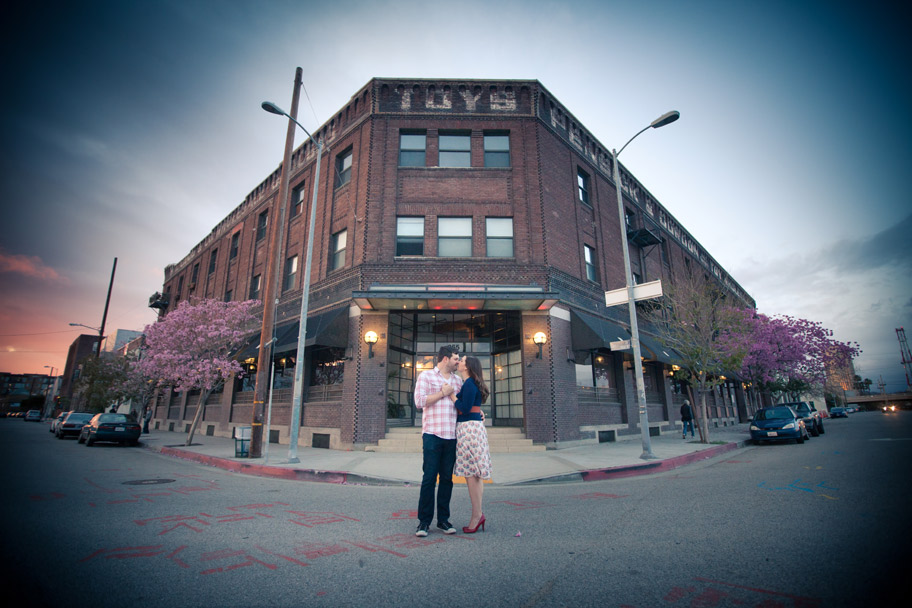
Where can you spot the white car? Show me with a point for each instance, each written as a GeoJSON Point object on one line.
{"type": "Point", "coordinates": [56, 421]}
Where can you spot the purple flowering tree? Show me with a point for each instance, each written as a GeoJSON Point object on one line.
{"type": "Point", "coordinates": [786, 356]}
{"type": "Point", "coordinates": [192, 347]}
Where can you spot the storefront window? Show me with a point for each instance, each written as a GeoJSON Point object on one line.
{"type": "Point", "coordinates": [327, 366]}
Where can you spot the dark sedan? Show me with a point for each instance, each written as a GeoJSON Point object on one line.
{"type": "Point", "coordinates": [72, 424]}
{"type": "Point", "coordinates": [812, 418]}
{"type": "Point", "coordinates": [117, 428]}
{"type": "Point", "coordinates": [779, 423]}
{"type": "Point", "coordinates": [839, 412]}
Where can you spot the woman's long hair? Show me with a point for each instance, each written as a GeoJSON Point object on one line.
{"type": "Point", "coordinates": [473, 366]}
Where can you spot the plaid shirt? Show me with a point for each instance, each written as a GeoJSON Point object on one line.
{"type": "Point", "coordinates": [440, 417]}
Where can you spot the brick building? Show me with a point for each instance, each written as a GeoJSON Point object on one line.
{"type": "Point", "coordinates": [474, 213]}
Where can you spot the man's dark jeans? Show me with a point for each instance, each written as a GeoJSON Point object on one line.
{"type": "Point", "coordinates": [439, 459]}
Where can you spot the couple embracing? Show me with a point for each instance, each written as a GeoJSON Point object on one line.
{"type": "Point", "coordinates": [453, 438]}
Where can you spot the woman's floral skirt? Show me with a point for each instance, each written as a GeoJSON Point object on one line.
{"type": "Point", "coordinates": [473, 457]}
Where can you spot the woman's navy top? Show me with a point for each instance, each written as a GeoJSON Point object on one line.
{"type": "Point", "coordinates": [466, 398]}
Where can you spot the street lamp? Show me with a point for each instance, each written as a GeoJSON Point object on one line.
{"type": "Point", "coordinates": [305, 289]}
{"type": "Point", "coordinates": [661, 121]}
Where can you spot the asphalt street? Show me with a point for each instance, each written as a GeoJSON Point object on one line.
{"type": "Point", "coordinates": [818, 524]}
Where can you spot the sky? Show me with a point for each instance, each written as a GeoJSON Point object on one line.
{"type": "Point", "coordinates": [131, 128]}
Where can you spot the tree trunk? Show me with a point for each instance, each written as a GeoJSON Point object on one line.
{"type": "Point", "coordinates": [704, 423]}
{"type": "Point", "coordinates": [693, 409]}
{"type": "Point", "coordinates": [204, 396]}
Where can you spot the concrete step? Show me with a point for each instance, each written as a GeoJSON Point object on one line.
{"type": "Point", "coordinates": [500, 439]}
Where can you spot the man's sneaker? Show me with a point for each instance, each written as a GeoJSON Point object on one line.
{"type": "Point", "coordinates": [447, 527]}
{"type": "Point", "coordinates": [423, 530]}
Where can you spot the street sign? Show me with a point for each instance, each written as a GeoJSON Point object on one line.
{"type": "Point", "coordinates": [644, 291]}
{"type": "Point", "coordinates": [620, 345]}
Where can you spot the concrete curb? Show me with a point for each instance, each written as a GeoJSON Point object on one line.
{"type": "Point", "coordinates": [646, 468]}
{"type": "Point", "coordinates": [273, 472]}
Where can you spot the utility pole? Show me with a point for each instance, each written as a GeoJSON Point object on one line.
{"type": "Point", "coordinates": [272, 289]}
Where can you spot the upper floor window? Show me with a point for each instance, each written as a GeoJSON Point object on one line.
{"type": "Point", "coordinates": [297, 200]}
{"type": "Point", "coordinates": [180, 288]}
{"type": "Point", "coordinates": [255, 288]}
{"type": "Point", "coordinates": [213, 258]}
{"type": "Point", "coordinates": [499, 233]}
{"type": "Point", "coordinates": [591, 269]}
{"type": "Point", "coordinates": [343, 168]}
{"type": "Point", "coordinates": [235, 244]}
{"type": "Point", "coordinates": [195, 274]}
{"type": "Point", "coordinates": [454, 236]}
{"type": "Point", "coordinates": [582, 184]}
{"type": "Point", "coordinates": [409, 236]}
{"type": "Point", "coordinates": [339, 241]}
{"type": "Point", "coordinates": [455, 150]}
{"type": "Point", "coordinates": [228, 295]}
{"type": "Point", "coordinates": [412, 149]}
{"type": "Point", "coordinates": [291, 273]}
{"type": "Point", "coordinates": [496, 150]}
{"type": "Point", "coordinates": [262, 223]}
{"type": "Point", "coordinates": [629, 218]}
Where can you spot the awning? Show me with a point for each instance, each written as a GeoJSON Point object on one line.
{"type": "Point", "coordinates": [326, 329]}
{"type": "Point", "coordinates": [589, 332]}
{"type": "Point", "coordinates": [653, 349]}
{"type": "Point", "coordinates": [455, 296]}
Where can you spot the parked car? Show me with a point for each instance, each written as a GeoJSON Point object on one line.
{"type": "Point", "coordinates": [33, 416]}
{"type": "Point", "coordinates": [812, 419]}
{"type": "Point", "coordinates": [72, 424]}
{"type": "Point", "coordinates": [778, 423]}
{"type": "Point", "coordinates": [889, 409]}
{"type": "Point", "coordinates": [56, 421]}
{"type": "Point", "coordinates": [839, 412]}
{"type": "Point", "coordinates": [119, 428]}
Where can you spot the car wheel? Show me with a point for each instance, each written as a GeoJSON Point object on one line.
{"type": "Point", "coordinates": [813, 432]}
{"type": "Point", "coordinates": [820, 430]}
{"type": "Point", "coordinates": [800, 438]}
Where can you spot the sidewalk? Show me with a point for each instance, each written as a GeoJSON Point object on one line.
{"type": "Point", "coordinates": [585, 463]}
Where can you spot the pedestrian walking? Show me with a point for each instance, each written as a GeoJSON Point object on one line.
{"type": "Point", "coordinates": [687, 419]}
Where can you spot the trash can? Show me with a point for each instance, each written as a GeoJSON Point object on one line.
{"type": "Point", "coordinates": [242, 441]}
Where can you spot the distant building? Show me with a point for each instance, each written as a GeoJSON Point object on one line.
{"type": "Point", "coordinates": [116, 341]}
{"type": "Point", "coordinates": [14, 388]}
{"type": "Point", "coordinates": [84, 346]}
{"type": "Point", "coordinates": [475, 213]}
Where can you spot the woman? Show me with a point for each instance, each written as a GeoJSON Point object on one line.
{"type": "Point", "coordinates": [473, 458]}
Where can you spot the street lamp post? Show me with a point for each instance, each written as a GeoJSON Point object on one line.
{"type": "Point", "coordinates": [305, 292]}
{"type": "Point", "coordinates": [661, 121]}
{"type": "Point", "coordinates": [100, 331]}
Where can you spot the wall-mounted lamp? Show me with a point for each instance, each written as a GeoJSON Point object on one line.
{"type": "Point", "coordinates": [539, 338]}
{"type": "Point", "coordinates": [371, 339]}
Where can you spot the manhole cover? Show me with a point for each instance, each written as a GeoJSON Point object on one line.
{"type": "Point", "coordinates": [147, 482]}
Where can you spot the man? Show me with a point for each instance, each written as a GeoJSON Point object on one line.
{"type": "Point", "coordinates": [686, 419]}
{"type": "Point", "coordinates": [435, 395]}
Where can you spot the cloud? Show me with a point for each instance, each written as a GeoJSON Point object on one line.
{"type": "Point", "coordinates": [29, 266]}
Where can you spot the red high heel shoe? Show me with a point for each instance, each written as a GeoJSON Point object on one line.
{"type": "Point", "coordinates": [468, 530]}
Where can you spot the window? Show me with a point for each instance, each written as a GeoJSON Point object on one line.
{"type": "Point", "coordinates": [499, 231]}
{"type": "Point", "coordinates": [343, 168]}
{"type": "Point", "coordinates": [454, 236]}
{"type": "Point", "coordinates": [228, 295]}
{"type": "Point", "coordinates": [235, 244]}
{"type": "Point", "coordinates": [591, 269]}
{"type": "Point", "coordinates": [180, 288]}
{"type": "Point", "coordinates": [496, 150]}
{"type": "Point", "coordinates": [339, 241]}
{"type": "Point", "coordinates": [255, 288]}
{"type": "Point", "coordinates": [195, 274]}
{"type": "Point", "coordinates": [291, 273]}
{"type": "Point", "coordinates": [455, 150]}
{"type": "Point", "coordinates": [412, 149]}
{"type": "Point", "coordinates": [409, 236]}
{"type": "Point", "coordinates": [262, 223]}
{"type": "Point", "coordinates": [297, 200]}
{"type": "Point", "coordinates": [637, 279]}
{"type": "Point", "coordinates": [213, 258]}
{"type": "Point", "coordinates": [629, 218]}
{"type": "Point", "coordinates": [582, 183]}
